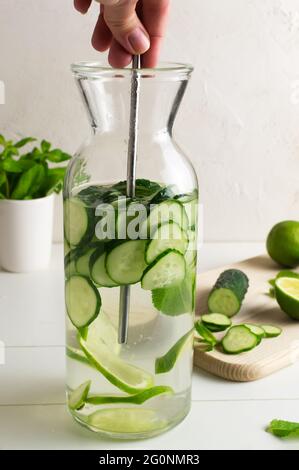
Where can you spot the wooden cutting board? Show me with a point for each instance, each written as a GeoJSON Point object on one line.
{"type": "Point", "coordinates": [272, 354]}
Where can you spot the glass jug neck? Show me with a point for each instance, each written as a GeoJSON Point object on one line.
{"type": "Point", "coordinates": [106, 94]}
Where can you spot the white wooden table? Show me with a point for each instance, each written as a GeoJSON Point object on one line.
{"type": "Point", "coordinates": [224, 415]}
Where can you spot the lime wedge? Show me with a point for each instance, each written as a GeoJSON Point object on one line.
{"type": "Point", "coordinates": [126, 420]}
{"type": "Point", "coordinates": [78, 396]}
{"type": "Point", "coordinates": [125, 376]}
{"type": "Point", "coordinates": [137, 399]}
{"type": "Point", "coordinates": [287, 295]}
{"type": "Point", "coordinates": [166, 363]}
{"type": "Point", "coordinates": [102, 330]}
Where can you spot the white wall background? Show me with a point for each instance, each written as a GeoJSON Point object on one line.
{"type": "Point", "coordinates": [239, 121]}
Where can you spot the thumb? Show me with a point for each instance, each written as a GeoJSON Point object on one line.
{"type": "Point", "coordinates": [122, 20]}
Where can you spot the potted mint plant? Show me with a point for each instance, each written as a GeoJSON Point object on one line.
{"type": "Point", "coordinates": [29, 178]}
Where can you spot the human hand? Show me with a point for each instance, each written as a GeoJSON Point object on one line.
{"type": "Point", "coordinates": [129, 27]}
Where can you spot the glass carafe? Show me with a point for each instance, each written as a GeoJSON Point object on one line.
{"type": "Point", "coordinates": [148, 242]}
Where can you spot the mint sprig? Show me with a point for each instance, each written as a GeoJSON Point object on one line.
{"type": "Point", "coordinates": [26, 175]}
{"type": "Point", "coordinates": [281, 428]}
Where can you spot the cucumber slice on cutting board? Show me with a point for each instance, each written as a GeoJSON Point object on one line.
{"type": "Point", "coordinates": [228, 293]}
{"type": "Point", "coordinates": [167, 270]}
{"type": "Point", "coordinates": [239, 339]}
{"type": "Point", "coordinates": [271, 331]}
{"type": "Point", "coordinates": [167, 236]}
{"type": "Point", "coordinates": [216, 321]}
{"type": "Point", "coordinates": [77, 221]}
{"type": "Point", "coordinates": [83, 301]}
{"type": "Point", "coordinates": [125, 376]}
{"type": "Point", "coordinates": [257, 330]}
{"type": "Point", "coordinates": [125, 263]}
{"type": "Point", "coordinates": [77, 398]}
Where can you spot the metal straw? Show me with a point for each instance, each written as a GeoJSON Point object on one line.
{"type": "Point", "coordinates": [124, 298]}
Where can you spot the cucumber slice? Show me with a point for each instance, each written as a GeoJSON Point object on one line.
{"type": "Point", "coordinates": [191, 252]}
{"type": "Point", "coordinates": [98, 270]}
{"type": "Point", "coordinates": [83, 301]}
{"type": "Point", "coordinates": [82, 262]}
{"type": "Point", "coordinates": [257, 330]}
{"type": "Point", "coordinates": [166, 211]}
{"type": "Point", "coordinates": [125, 263]}
{"type": "Point", "coordinates": [167, 270]}
{"type": "Point", "coordinates": [167, 362]}
{"type": "Point", "coordinates": [167, 236]}
{"type": "Point", "coordinates": [216, 321]}
{"type": "Point", "coordinates": [271, 331]}
{"type": "Point", "coordinates": [66, 247]}
{"type": "Point", "coordinates": [70, 263]}
{"type": "Point", "coordinates": [125, 376]}
{"type": "Point", "coordinates": [239, 339]}
{"type": "Point", "coordinates": [137, 399]}
{"type": "Point", "coordinates": [77, 222]}
{"type": "Point", "coordinates": [190, 203]}
{"type": "Point", "coordinates": [126, 420]}
{"type": "Point", "coordinates": [228, 293]}
{"type": "Point", "coordinates": [77, 398]}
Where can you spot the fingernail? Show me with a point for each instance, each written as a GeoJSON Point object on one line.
{"type": "Point", "coordinates": [139, 41]}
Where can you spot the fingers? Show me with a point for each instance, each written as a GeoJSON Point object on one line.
{"type": "Point", "coordinates": [126, 28]}
{"type": "Point", "coordinates": [154, 17]}
{"type": "Point", "coordinates": [82, 5]}
{"type": "Point", "coordinates": [102, 36]}
{"type": "Point", "coordinates": [118, 57]}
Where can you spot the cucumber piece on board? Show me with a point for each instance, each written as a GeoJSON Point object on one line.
{"type": "Point", "coordinates": [239, 339]}
{"type": "Point", "coordinates": [216, 321]}
{"type": "Point", "coordinates": [228, 293]}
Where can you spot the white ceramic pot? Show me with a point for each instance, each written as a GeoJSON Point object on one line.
{"type": "Point", "coordinates": [26, 232]}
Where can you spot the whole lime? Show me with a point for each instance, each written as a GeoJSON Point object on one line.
{"type": "Point", "coordinates": [283, 243]}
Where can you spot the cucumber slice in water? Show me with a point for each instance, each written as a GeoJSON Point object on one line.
{"type": "Point", "coordinates": [126, 420]}
{"type": "Point", "coordinates": [98, 269]}
{"type": "Point", "coordinates": [228, 293]}
{"type": "Point", "coordinates": [167, 236]}
{"type": "Point", "coordinates": [125, 376]}
{"type": "Point", "coordinates": [166, 211]}
{"type": "Point", "coordinates": [77, 398]}
{"type": "Point", "coordinates": [82, 262]}
{"type": "Point", "coordinates": [125, 263]}
{"type": "Point", "coordinates": [239, 339]}
{"type": "Point", "coordinates": [271, 331]}
{"type": "Point", "coordinates": [137, 399]}
{"type": "Point", "coordinates": [168, 270]}
{"type": "Point", "coordinates": [77, 221]}
{"type": "Point", "coordinates": [167, 362]}
{"type": "Point", "coordinates": [216, 321]}
{"type": "Point", "coordinates": [83, 301]}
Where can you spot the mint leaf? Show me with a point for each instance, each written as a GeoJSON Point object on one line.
{"type": "Point", "coordinates": [282, 428]}
{"type": "Point", "coordinates": [30, 182]}
{"type": "Point", "coordinates": [175, 300]}
{"type": "Point", "coordinates": [45, 146]}
{"type": "Point", "coordinates": [54, 180]}
{"type": "Point", "coordinates": [2, 141]}
{"type": "Point", "coordinates": [11, 166]}
{"type": "Point", "coordinates": [25, 141]}
{"type": "Point", "coordinates": [57, 156]}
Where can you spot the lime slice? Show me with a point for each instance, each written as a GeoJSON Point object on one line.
{"type": "Point", "coordinates": [287, 295]}
{"type": "Point", "coordinates": [137, 399]}
{"type": "Point", "coordinates": [166, 363]}
{"type": "Point", "coordinates": [125, 376]}
{"type": "Point", "coordinates": [78, 396]}
{"type": "Point", "coordinates": [103, 330]}
{"type": "Point", "coordinates": [126, 420]}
